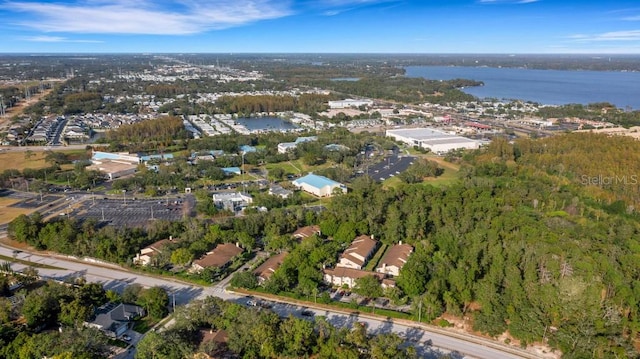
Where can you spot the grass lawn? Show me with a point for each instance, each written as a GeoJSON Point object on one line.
{"type": "Point", "coordinates": [286, 167]}
{"type": "Point", "coordinates": [145, 324]}
{"type": "Point", "coordinates": [450, 174]}
{"type": "Point", "coordinates": [373, 263]}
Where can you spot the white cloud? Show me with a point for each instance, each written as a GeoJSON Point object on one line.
{"type": "Point", "coordinates": [628, 35]}
{"type": "Point", "coordinates": [336, 7]}
{"type": "Point", "coordinates": [176, 17]}
{"type": "Point", "coordinates": [45, 38]}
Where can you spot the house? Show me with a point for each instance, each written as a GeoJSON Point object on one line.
{"type": "Point", "coordinates": [220, 338]}
{"type": "Point", "coordinates": [307, 231]}
{"type": "Point", "coordinates": [266, 269]}
{"type": "Point", "coordinates": [148, 253]}
{"type": "Point", "coordinates": [319, 185]}
{"type": "Point", "coordinates": [114, 319]}
{"type": "Point", "coordinates": [341, 276]}
{"type": "Point", "coordinates": [277, 190]}
{"type": "Point", "coordinates": [394, 259]}
{"type": "Point", "coordinates": [219, 257]}
{"type": "Point", "coordinates": [358, 253]}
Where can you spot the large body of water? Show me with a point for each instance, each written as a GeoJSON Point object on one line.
{"type": "Point", "coordinates": [266, 124]}
{"type": "Point", "coordinates": [553, 87]}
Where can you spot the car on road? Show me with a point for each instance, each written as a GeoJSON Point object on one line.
{"type": "Point", "coordinates": [307, 313]}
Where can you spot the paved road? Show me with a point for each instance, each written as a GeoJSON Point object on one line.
{"type": "Point", "coordinates": [116, 278]}
{"type": "Point", "coordinates": [43, 148]}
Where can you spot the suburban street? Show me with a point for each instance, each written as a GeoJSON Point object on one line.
{"type": "Point", "coordinates": [116, 278]}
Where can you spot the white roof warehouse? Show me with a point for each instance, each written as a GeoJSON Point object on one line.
{"type": "Point", "coordinates": [434, 140]}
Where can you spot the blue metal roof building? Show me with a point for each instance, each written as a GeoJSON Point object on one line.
{"type": "Point", "coordinates": [319, 185]}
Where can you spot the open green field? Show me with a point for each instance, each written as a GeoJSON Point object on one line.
{"type": "Point", "coordinates": [449, 175]}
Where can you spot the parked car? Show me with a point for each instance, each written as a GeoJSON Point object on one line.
{"type": "Point", "coordinates": [125, 337]}
{"type": "Point", "coordinates": [307, 313]}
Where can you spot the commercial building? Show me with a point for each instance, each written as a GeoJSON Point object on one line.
{"type": "Point", "coordinates": [436, 141]}
{"type": "Point", "coordinates": [319, 185]}
{"type": "Point", "coordinates": [232, 201]}
{"type": "Point", "coordinates": [114, 165]}
{"type": "Point", "coordinates": [350, 103]}
{"type": "Point", "coordinates": [284, 147]}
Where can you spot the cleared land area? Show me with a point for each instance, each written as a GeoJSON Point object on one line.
{"type": "Point", "coordinates": [8, 213]}
{"type": "Point", "coordinates": [20, 161]}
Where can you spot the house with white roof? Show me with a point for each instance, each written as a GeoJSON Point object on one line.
{"type": "Point", "coordinates": [287, 146]}
{"type": "Point", "coordinates": [319, 185]}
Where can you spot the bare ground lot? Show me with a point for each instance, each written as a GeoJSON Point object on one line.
{"type": "Point", "coordinates": [7, 210]}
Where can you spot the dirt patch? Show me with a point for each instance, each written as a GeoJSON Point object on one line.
{"type": "Point", "coordinates": [15, 244]}
{"type": "Point", "coordinates": [8, 213]}
{"type": "Point", "coordinates": [465, 325]}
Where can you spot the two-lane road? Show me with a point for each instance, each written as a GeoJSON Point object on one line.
{"type": "Point", "coordinates": [116, 278]}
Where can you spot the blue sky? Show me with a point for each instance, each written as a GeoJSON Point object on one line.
{"type": "Point", "coordinates": [321, 26]}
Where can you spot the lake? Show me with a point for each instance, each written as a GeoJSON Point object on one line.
{"type": "Point", "coordinates": [553, 87]}
{"type": "Point", "coordinates": [266, 124]}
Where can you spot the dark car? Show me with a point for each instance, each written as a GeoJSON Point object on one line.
{"type": "Point", "coordinates": [307, 313]}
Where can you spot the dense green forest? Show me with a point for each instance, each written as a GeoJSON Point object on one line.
{"type": "Point", "coordinates": [403, 89]}
{"type": "Point", "coordinates": [161, 132]}
{"type": "Point", "coordinates": [247, 105]}
{"type": "Point", "coordinates": [601, 111]}
{"type": "Point", "coordinates": [517, 246]}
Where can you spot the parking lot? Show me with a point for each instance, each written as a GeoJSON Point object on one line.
{"type": "Point", "coordinates": [391, 166]}
{"type": "Point", "coordinates": [132, 212]}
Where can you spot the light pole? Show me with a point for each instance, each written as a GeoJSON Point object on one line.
{"type": "Point", "coordinates": [244, 186]}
